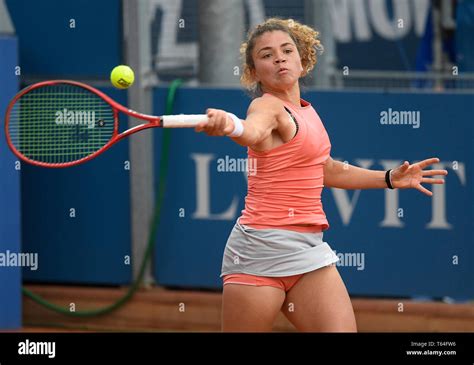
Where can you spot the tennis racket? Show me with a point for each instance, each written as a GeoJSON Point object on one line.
{"type": "Point", "coordinates": [64, 123]}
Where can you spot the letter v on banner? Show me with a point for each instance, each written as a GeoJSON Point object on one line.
{"type": "Point", "coordinates": [344, 205]}
{"type": "Point", "coordinates": [391, 218]}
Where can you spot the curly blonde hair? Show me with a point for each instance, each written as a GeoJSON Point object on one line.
{"type": "Point", "coordinates": [305, 38]}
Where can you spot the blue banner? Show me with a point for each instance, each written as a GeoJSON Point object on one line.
{"type": "Point", "coordinates": [391, 243]}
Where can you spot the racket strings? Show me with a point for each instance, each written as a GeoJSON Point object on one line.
{"type": "Point", "coordinates": [60, 123]}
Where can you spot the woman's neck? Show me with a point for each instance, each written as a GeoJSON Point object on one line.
{"type": "Point", "coordinates": [291, 96]}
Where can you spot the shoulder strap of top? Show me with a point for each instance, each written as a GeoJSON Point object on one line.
{"type": "Point", "coordinates": [294, 120]}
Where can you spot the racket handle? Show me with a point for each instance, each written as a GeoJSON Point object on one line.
{"type": "Point", "coordinates": [183, 120]}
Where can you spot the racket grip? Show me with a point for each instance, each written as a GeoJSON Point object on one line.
{"type": "Point", "coordinates": [183, 120]}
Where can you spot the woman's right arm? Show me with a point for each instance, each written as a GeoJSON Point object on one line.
{"type": "Point", "coordinates": [262, 119]}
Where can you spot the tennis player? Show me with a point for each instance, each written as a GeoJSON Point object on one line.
{"type": "Point", "coordinates": [275, 258]}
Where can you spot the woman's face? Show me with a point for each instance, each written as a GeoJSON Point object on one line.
{"type": "Point", "coordinates": [277, 61]}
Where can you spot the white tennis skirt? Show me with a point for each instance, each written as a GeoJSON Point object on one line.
{"type": "Point", "coordinates": [274, 252]}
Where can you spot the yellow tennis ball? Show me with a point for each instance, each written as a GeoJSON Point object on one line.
{"type": "Point", "coordinates": [122, 77]}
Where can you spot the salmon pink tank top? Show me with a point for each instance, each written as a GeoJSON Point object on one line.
{"type": "Point", "coordinates": [285, 182]}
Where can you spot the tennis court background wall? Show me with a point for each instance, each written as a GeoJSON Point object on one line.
{"type": "Point", "coordinates": [10, 276]}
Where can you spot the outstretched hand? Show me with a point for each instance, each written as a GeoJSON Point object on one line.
{"type": "Point", "coordinates": [218, 123]}
{"type": "Point", "coordinates": [409, 176]}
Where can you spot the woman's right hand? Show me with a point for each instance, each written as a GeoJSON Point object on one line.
{"type": "Point", "coordinates": [219, 123]}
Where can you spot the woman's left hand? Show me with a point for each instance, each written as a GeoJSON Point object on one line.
{"type": "Point", "coordinates": [412, 176]}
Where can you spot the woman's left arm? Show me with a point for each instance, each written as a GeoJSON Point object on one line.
{"type": "Point", "coordinates": [344, 176]}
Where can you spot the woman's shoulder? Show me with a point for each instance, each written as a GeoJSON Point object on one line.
{"type": "Point", "coordinates": [266, 101]}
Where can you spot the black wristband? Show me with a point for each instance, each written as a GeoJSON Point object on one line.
{"type": "Point", "coordinates": [387, 179]}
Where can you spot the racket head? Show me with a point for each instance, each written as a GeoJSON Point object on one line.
{"type": "Point", "coordinates": [60, 123]}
